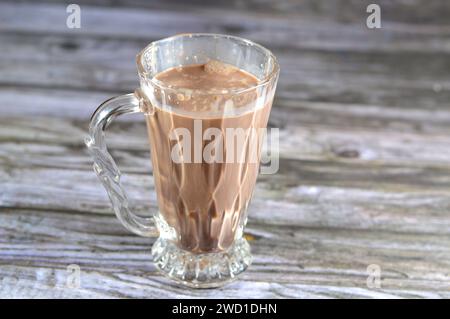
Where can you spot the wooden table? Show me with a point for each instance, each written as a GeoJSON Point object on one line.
{"type": "Point", "coordinates": [364, 177]}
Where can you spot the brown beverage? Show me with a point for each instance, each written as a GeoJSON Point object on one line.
{"type": "Point", "coordinates": [205, 202]}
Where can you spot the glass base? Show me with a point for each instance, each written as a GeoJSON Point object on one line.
{"type": "Point", "coordinates": [201, 270]}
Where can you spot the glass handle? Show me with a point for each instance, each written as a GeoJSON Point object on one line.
{"type": "Point", "coordinates": [105, 166]}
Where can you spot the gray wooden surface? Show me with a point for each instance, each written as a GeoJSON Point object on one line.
{"type": "Point", "coordinates": [364, 178]}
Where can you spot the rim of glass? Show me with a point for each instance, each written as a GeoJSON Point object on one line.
{"type": "Point", "coordinates": [264, 81]}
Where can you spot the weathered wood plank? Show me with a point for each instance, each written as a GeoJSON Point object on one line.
{"type": "Point", "coordinates": [302, 118]}
{"type": "Point", "coordinates": [26, 103]}
{"type": "Point", "coordinates": [311, 195]}
{"type": "Point", "coordinates": [431, 11]}
{"type": "Point", "coordinates": [48, 141]}
{"type": "Point", "coordinates": [293, 258]}
{"type": "Point", "coordinates": [342, 76]}
{"type": "Point", "coordinates": [295, 32]}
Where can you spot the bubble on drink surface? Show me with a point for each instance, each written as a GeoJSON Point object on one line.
{"type": "Point", "coordinates": [220, 68]}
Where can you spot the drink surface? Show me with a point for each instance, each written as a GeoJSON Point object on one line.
{"type": "Point", "coordinates": [209, 87]}
{"type": "Point", "coordinates": [206, 202]}
{"type": "Point", "coordinates": [213, 75]}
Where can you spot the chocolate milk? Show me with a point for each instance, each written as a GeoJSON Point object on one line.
{"type": "Point", "coordinates": [205, 202]}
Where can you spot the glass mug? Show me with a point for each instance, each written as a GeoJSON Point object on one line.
{"type": "Point", "coordinates": [202, 205]}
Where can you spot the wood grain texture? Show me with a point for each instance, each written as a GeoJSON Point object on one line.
{"type": "Point", "coordinates": [364, 177]}
{"type": "Point", "coordinates": [430, 12]}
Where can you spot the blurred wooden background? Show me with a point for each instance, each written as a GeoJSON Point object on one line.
{"type": "Point", "coordinates": [365, 148]}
